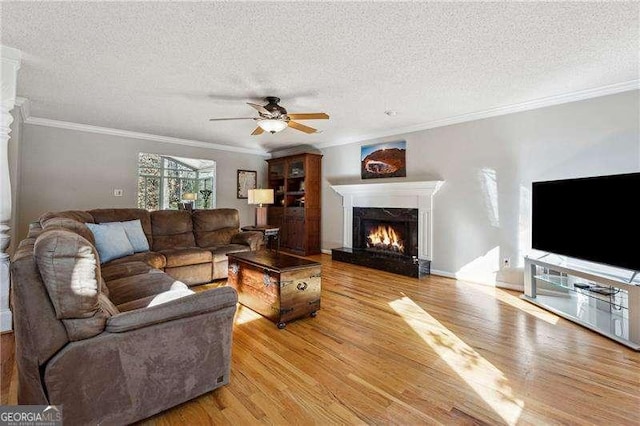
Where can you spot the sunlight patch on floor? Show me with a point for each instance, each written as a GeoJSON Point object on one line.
{"type": "Point", "coordinates": [518, 303]}
{"type": "Point", "coordinates": [245, 315]}
{"type": "Point", "coordinates": [483, 377]}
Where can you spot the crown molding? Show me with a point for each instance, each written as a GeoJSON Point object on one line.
{"type": "Point", "coordinates": [46, 122]}
{"type": "Point", "coordinates": [494, 112]}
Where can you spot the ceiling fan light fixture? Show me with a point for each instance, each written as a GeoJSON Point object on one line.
{"type": "Point", "coordinates": [272, 125]}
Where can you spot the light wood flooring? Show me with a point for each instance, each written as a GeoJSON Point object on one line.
{"type": "Point", "coordinates": [386, 349]}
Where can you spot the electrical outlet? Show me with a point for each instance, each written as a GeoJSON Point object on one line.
{"type": "Point", "coordinates": [506, 262]}
{"type": "Point", "coordinates": [118, 192]}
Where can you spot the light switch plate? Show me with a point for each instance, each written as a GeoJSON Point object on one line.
{"type": "Point", "coordinates": [118, 192]}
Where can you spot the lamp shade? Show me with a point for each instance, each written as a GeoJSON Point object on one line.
{"type": "Point", "coordinates": [272, 125]}
{"type": "Point", "coordinates": [190, 196]}
{"type": "Point", "coordinates": [260, 196]}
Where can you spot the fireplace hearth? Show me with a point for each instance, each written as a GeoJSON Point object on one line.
{"type": "Point", "coordinates": [385, 239]}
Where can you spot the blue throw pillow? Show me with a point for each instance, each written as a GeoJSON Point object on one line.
{"type": "Point", "coordinates": [111, 240]}
{"type": "Point", "coordinates": [138, 240]}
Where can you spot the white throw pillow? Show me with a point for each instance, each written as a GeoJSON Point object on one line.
{"type": "Point", "coordinates": [178, 290]}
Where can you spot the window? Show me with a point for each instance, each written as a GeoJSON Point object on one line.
{"type": "Point", "coordinates": [162, 181]}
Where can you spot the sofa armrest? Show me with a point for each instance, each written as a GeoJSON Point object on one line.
{"type": "Point", "coordinates": [253, 239]}
{"type": "Point", "coordinates": [191, 305]}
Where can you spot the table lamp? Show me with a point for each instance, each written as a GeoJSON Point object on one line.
{"type": "Point", "coordinates": [189, 199]}
{"type": "Point", "coordinates": [261, 197]}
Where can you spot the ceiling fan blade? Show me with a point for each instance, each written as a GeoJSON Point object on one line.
{"type": "Point", "coordinates": [260, 108]}
{"type": "Point", "coordinates": [302, 127]}
{"type": "Point", "coordinates": [309, 116]}
{"type": "Point", "coordinates": [257, 131]}
{"type": "Point", "coordinates": [226, 119]}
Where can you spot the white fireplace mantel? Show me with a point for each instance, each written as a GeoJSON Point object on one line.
{"type": "Point", "coordinates": [404, 195]}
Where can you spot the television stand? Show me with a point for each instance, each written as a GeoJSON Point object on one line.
{"type": "Point", "coordinates": [602, 302]}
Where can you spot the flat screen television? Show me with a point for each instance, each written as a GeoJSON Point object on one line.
{"type": "Point", "coordinates": [594, 219]}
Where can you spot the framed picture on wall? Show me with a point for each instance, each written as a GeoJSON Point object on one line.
{"type": "Point", "coordinates": [246, 180]}
{"type": "Point", "coordinates": [383, 160]}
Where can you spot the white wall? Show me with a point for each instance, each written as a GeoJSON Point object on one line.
{"type": "Point", "coordinates": [67, 169]}
{"type": "Point", "coordinates": [478, 220]}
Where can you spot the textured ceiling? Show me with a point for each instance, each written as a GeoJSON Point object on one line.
{"type": "Point", "coordinates": [166, 68]}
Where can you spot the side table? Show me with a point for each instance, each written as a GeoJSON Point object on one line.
{"type": "Point", "coordinates": [271, 234]}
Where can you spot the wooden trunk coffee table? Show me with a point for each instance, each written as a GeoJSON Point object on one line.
{"type": "Point", "coordinates": [278, 286]}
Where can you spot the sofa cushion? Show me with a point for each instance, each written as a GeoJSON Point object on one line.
{"type": "Point", "coordinates": [111, 240]}
{"type": "Point", "coordinates": [191, 274]}
{"type": "Point", "coordinates": [186, 256]}
{"type": "Point", "coordinates": [172, 229]}
{"type": "Point", "coordinates": [191, 305]}
{"type": "Point", "coordinates": [72, 225]}
{"type": "Point", "coordinates": [122, 215]}
{"type": "Point", "coordinates": [151, 258]}
{"type": "Point", "coordinates": [253, 239]}
{"type": "Point", "coordinates": [79, 215]}
{"type": "Point", "coordinates": [145, 302]}
{"type": "Point", "coordinates": [215, 238]}
{"type": "Point", "coordinates": [69, 268]}
{"type": "Point", "coordinates": [134, 287]}
{"type": "Point", "coordinates": [220, 252]}
{"type": "Point", "coordinates": [215, 227]}
{"type": "Point", "coordinates": [113, 271]}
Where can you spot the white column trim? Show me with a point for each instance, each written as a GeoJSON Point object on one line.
{"type": "Point", "coordinates": [10, 63]}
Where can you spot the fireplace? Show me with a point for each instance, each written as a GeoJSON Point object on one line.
{"type": "Point", "coordinates": [386, 239]}
{"type": "Point", "coordinates": [386, 230]}
{"type": "Point", "coordinates": [406, 208]}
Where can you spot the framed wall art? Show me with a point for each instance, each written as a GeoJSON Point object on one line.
{"type": "Point", "coordinates": [246, 180]}
{"type": "Point", "coordinates": [383, 160]}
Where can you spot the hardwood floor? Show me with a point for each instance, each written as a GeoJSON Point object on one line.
{"type": "Point", "coordinates": [7, 364]}
{"type": "Point", "coordinates": [390, 349]}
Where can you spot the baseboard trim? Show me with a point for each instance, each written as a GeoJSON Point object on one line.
{"type": "Point", "coordinates": [499, 284]}
{"type": "Point", "coordinates": [447, 274]}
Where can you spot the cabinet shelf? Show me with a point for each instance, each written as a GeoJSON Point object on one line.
{"type": "Point", "coordinates": [298, 197]}
{"type": "Point", "coordinates": [616, 297]}
{"type": "Point", "coordinates": [605, 304]}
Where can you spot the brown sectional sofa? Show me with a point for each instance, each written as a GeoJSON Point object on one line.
{"type": "Point", "coordinates": [92, 338]}
{"type": "Point", "coordinates": [190, 246]}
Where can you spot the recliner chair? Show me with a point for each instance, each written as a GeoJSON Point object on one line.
{"type": "Point", "coordinates": [76, 349]}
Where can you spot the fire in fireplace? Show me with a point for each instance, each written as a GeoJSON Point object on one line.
{"type": "Point", "coordinates": [384, 237]}
{"type": "Point", "coordinates": [386, 231]}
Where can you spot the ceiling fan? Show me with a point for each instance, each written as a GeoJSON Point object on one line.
{"type": "Point", "coordinates": [274, 118]}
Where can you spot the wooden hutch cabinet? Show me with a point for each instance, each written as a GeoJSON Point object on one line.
{"type": "Point", "coordinates": [296, 209]}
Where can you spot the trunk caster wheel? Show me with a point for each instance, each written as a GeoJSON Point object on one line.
{"type": "Point", "coordinates": [314, 314]}
{"type": "Point", "coordinates": [281, 325]}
